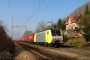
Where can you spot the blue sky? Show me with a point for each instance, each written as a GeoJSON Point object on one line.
{"type": "Point", "coordinates": [30, 12]}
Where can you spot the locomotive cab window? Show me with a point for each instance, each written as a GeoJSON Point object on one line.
{"type": "Point", "coordinates": [55, 32]}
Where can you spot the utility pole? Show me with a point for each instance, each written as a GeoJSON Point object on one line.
{"type": "Point", "coordinates": [12, 29]}
{"type": "Point", "coordinates": [20, 26]}
{"type": "Point", "coordinates": [51, 24]}
{"type": "Point", "coordinates": [17, 27]}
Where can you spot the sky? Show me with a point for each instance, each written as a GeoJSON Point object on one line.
{"type": "Point", "coordinates": [30, 12]}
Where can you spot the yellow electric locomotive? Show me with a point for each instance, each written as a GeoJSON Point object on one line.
{"type": "Point", "coordinates": [52, 37]}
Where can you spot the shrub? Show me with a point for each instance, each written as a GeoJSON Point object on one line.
{"type": "Point", "coordinates": [6, 43]}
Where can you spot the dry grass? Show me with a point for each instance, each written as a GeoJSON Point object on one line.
{"type": "Point", "coordinates": [76, 40]}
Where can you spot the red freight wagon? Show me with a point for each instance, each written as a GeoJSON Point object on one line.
{"type": "Point", "coordinates": [30, 37]}
{"type": "Point", "coordinates": [25, 38]}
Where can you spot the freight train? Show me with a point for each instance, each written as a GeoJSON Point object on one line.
{"type": "Point", "coordinates": [47, 37]}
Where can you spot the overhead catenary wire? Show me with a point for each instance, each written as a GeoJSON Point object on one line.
{"type": "Point", "coordinates": [68, 12]}
{"type": "Point", "coordinates": [12, 19]}
{"type": "Point", "coordinates": [34, 8]}
{"type": "Point", "coordinates": [38, 7]}
{"type": "Point", "coordinates": [18, 22]}
{"type": "Point", "coordinates": [12, 14]}
{"type": "Point", "coordinates": [30, 14]}
{"type": "Point", "coordinates": [42, 9]}
{"type": "Point", "coordinates": [45, 7]}
{"type": "Point", "coordinates": [10, 9]}
{"type": "Point", "coordinates": [34, 11]}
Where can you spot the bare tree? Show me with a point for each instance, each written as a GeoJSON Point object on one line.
{"type": "Point", "coordinates": [27, 33]}
{"type": "Point", "coordinates": [41, 26]}
{"type": "Point", "coordinates": [5, 26]}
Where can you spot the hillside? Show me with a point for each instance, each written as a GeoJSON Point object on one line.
{"type": "Point", "coordinates": [80, 9]}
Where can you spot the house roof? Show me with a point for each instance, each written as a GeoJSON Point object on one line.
{"type": "Point", "coordinates": [71, 17]}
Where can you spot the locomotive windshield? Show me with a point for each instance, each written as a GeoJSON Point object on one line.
{"type": "Point", "coordinates": [55, 32]}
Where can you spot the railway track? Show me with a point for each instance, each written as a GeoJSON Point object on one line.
{"type": "Point", "coordinates": [25, 53]}
{"type": "Point", "coordinates": [81, 51]}
{"type": "Point", "coordinates": [45, 55]}
{"type": "Point", "coordinates": [36, 54]}
{"type": "Point", "coordinates": [50, 53]}
{"type": "Point", "coordinates": [77, 51]}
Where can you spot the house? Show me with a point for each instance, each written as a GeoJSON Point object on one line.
{"type": "Point", "coordinates": [71, 23]}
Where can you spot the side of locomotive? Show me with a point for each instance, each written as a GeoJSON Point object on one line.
{"type": "Point", "coordinates": [49, 37]}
